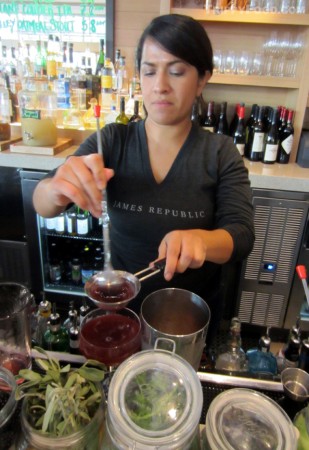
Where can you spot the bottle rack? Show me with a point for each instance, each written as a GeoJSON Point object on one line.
{"type": "Point", "coordinates": [232, 29]}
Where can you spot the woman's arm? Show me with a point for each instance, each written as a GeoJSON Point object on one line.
{"type": "Point", "coordinates": [79, 180]}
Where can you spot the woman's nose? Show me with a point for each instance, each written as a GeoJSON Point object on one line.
{"type": "Point", "coordinates": [161, 82]}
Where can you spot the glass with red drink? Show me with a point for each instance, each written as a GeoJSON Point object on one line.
{"type": "Point", "coordinates": [110, 336]}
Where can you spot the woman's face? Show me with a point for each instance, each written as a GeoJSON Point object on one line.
{"type": "Point", "coordinates": [169, 85]}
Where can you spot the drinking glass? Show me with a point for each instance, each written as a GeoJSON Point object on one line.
{"type": "Point", "coordinates": [15, 334]}
{"type": "Point", "coordinates": [217, 61]}
{"type": "Point", "coordinates": [301, 6]}
{"type": "Point", "coordinates": [256, 65]}
{"type": "Point", "coordinates": [229, 62]}
{"type": "Point", "coordinates": [243, 62]}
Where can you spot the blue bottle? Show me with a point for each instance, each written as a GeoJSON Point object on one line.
{"type": "Point", "coordinates": [260, 359]}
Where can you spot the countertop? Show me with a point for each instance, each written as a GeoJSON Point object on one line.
{"type": "Point", "coordinates": [287, 177]}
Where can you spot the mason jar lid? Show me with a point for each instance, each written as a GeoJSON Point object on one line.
{"type": "Point", "coordinates": [240, 419]}
{"type": "Point", "coordinates": [155, 401]}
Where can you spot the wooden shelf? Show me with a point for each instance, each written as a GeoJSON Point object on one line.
{"type": "Point", "coordinates": [244, 17]}
{"type": "Point", "coordinates": [253, 80]}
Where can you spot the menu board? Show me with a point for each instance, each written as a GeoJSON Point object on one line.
{"type": "Point", "coordinates": [82, 18]}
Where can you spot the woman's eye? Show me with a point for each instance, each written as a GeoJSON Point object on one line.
{"type": "Point", "coordinates": [177, 74]}
{"type": "Point", "coordinates": [148, 73]}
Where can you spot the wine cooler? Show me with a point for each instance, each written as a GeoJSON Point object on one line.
{"type": "Point", "coordinates": [268, 274]}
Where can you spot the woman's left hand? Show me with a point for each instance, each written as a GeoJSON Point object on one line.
{"type": "Point", "coordinates": [185, 249]}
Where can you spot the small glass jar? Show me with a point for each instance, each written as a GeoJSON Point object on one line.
{"type": "Point", "coordinates": [38, 113]}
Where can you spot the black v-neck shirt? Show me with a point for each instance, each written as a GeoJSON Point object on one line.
{"type": "Point", "coordinates": [207, 187]}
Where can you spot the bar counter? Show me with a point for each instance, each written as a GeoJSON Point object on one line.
{"type": "Point", "coordinates": [286, 177]}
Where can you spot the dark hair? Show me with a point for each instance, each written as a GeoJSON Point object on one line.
{"type": "Point", "coordinates": [181, 36]}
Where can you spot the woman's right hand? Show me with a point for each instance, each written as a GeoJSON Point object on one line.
{"type": "Point", "coordinates": [79, 180]}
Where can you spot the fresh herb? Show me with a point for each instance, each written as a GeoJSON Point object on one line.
{"type": "Point", "coordinates": [155, 400]}
{"type": "Point", "coordinates": [63, 400]}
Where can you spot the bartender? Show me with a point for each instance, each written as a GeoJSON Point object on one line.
{"type": "Point", "coordinates": [174, 190]}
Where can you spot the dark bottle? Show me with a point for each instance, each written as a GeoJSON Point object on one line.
{"type": "Point", "coordinates": [304, 355]}
{"type": "Point", "coordinates": [83, 310]}
{"type": "Point", "coordinates": [72, 313]}
{"type": "Point", "coordinates": [122, 117]}
{"type": "Point", "coordinates": [286, 138]}
{"type": "Point", "coordinates": [209, 121]}
{"type": "Point", "coordinates": [13, 99]}
{"type": "Point", "coordinates": [292, 350]}
{"type": "Point", "coordinates": [239, 135]}
{"type": "Point", "coordinates": [56, 338]}
{"type": "Point", "coordinates": [271, 142]}
{"type": "Point", "coordinates": [101, 60]}
{"type": "Point", "coordinates": [74, 335]}
{"type": "Point", "coordinates": [234, 120]}
{"type": "Point", "coordinates": [55, 269]}
{"type": "Point", "coordinates": [136, 117]}
{"type": "Point", "coordinates": [195, 116]}
{"type": "Point", "coordinates": [249, 126]}
{"type": "Point", "coordinates": [282, 119]}
{"type": "Point", "coordinates": [222, 126]}
{"type": "Point", "coordinates": [87, 265]}
{"type": "Point", "coordinates": [256, 138]}
{"type": "Point", "coordinates": [76, 271]}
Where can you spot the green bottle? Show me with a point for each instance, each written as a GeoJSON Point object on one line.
{"type": "Point", "coordinates": [56, 337]}
{"type": "Point", "coordinates": [101, 60]}
{"type": "Point", "coordinates": [122, 117]}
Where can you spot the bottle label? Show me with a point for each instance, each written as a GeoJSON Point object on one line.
{"type": "Point", "coordinates": [82, 226]}
{"type": "Point", "coordinates": [50, 223]}
{"type": "Point", "coordinates": [271, 151]}
{"type": "Point", "coordinates": [60, 224]}
{"type": "Point", "coordinates": [287, 144]}
{"type": "Point", "coordinates": [258, 141]}
{"type": "Point", "coordinates": [211, 129]}
{"type": "Point", "coordinates": [241, 149]}
{"type": "Point", "coordinates": [107, 81]}
{"type": "Point", "coordinates": [30, 113]}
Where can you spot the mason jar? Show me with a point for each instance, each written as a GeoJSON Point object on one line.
{"type": "Point", "coordinates": [38, 113]}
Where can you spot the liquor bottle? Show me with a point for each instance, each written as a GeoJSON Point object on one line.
{"type": "Point", "coordinates": [76, 271]}
{"type": "Point", "coordinates": [44, 312]}
{"type": "Point", "coordinates": [87, 264]}
{"type": "Point", "coordinates": [282, 119]}
{"type": "Point", "coordinates": [83, 310]}
{"type": "Point", "coordinates": [286, 138]}
{"type": "Point", "coordinates": [72, 313]}
{"type": "Point", "coordinates": [122, 117]}
{"type": "Point", "coordinates": [261, 359]}
{"type": "Point", "coordinates": [56, 337]}
{"type": "Point", "coordinates": [256, 138]}
{"type": "Point", "coordinates": [51, 59]}
{"type": "Point", "coordinates": [122, 77]}
{"type": "Point", "coordinates": [209, 121]}
{"type": "Point", "coordinates": [60, 224]}
{"type": "Point", "coordinates": [101, 60]}
{"type": "Point", "coordinates": [136, 117]}
{"type": "Point", "coordinates": [107, 85]}
{"type": "Point", "coordinates": [304, 355]}
{"type": "Point", "coordinates": [74, 336]}
{"type": "Point", "coordinates": [271, 143]}
{"type": "Point", "coordinates": [13, 101]}
{"type": "Point", "coordinates": [239, 135]}
{"type": "Point", "coordinates": [116, 68]}
{"type": "Point", "coordinates": [222, 126]}
{"type": "Point", "coordinates": [82, 222]}
{"type": "Point", "coordinates": [55, 269]}
{"type": "Point", "coordinates": [71, 221]}
{"type": "Point", "coordinates": [38, 60]}
{"type": "Point", "coordinates": [234, 120]}
{"type": "Point", "coordinates": [292, 350]}
{"type": "Point", "coordinates": [5, 114]}
{"type": "Point", "coordinates": [231, 356]}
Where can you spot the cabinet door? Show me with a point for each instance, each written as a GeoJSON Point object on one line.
{"type": "Point", "coordinates": [267, 274]}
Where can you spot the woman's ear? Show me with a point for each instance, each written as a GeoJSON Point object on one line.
{"type": "Point", "coordinates": [202, 81]}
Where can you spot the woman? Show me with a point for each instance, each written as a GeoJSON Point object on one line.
{"type": "Point", "coordinates": [175, 191]}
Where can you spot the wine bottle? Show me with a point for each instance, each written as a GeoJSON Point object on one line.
{"type": "Point", "coordinates": [256, 139]}
{"type": "Point", "coordinates": [122, 117]}
{"type": "Point", "coordinates": [209, 121]}
{"type": "Point", "coordinates": [235, 118]}
{"type": "Point", "coordinates": [239, 135]}
{"type": "Point", "coordinates": [271, 143]}
{"type": "Point", "coordinates": [56, 337]}
{"type": "Point", "coordinates": [136, 117]}
{"type": "Point", "coordinates": [286, 138]}
{"type": "Point", "coordinates": [195, 117]}
{"type": "Point", "coordinates": [249, 127]}
{"type": "Point", "coordinates": [101, 60]}
{"type": "Point", "coordinates": [222, 125]}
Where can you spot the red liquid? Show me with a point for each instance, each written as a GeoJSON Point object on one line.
{"type": "Point", "coordinates": [110, 338]}
{"type": "Point", "coordinates": [15, 363]}
{"type": "Point", "coordinates": [112, 294]}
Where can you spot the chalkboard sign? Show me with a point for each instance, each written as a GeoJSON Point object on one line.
{"type": "Point", "coordinates": [82, 19]}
